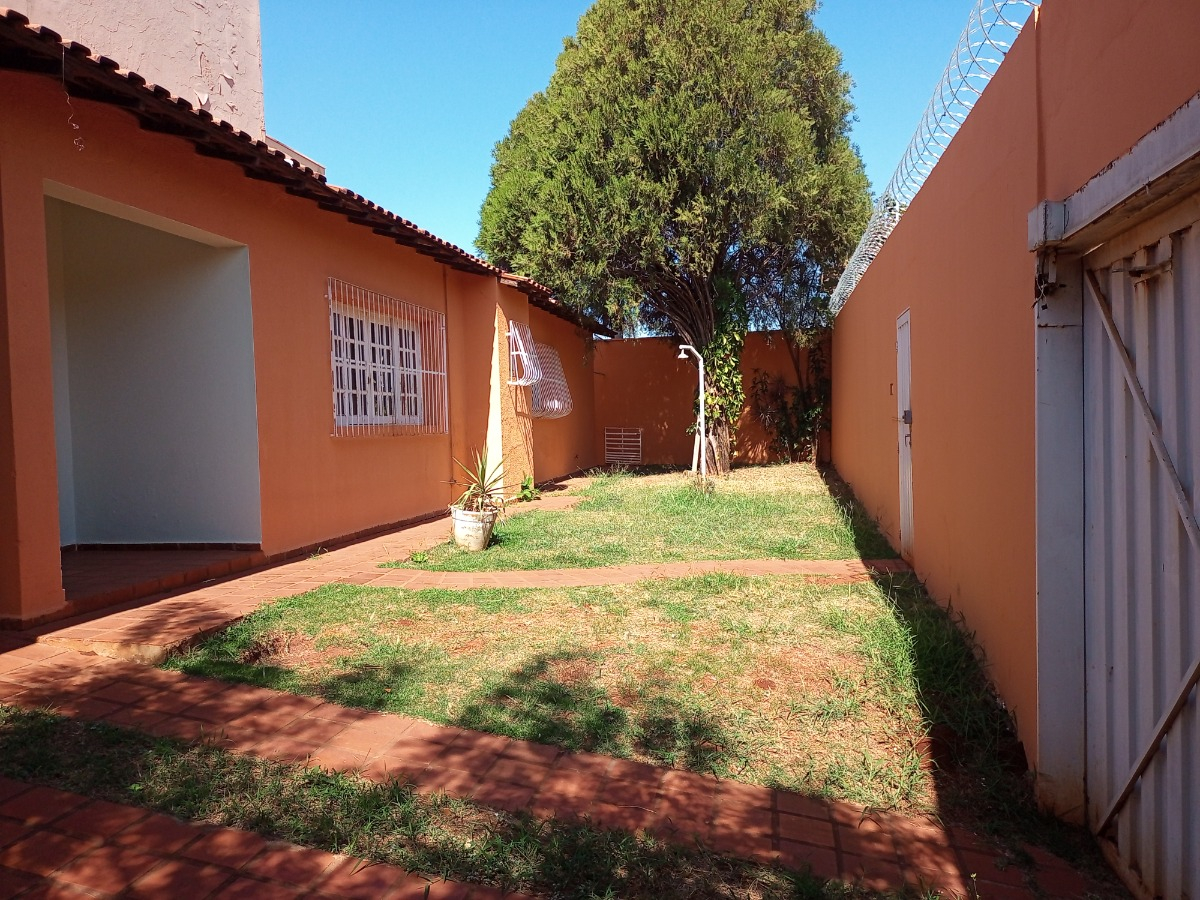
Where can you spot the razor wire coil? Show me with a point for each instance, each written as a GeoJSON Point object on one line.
{"type": "Point", "coordinates": [992, 27]}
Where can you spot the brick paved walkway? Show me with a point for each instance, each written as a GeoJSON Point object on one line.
{"type": "Point", "coordinates": [55, 843]}
{"type": "Point", "coordinates": [45, 667]}
{"type": "Point", "coordinates": [149, 630]}
{"type": "Point", "coordinates": [880, 850]}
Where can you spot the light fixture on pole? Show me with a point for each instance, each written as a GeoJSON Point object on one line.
{"type": "Point", "coordinates": [684, 350]}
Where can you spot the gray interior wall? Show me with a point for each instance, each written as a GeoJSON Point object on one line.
{"type": "Point", "coordinates": [62, 377]}
{"type": "Point", "coordinates": [156, 406]}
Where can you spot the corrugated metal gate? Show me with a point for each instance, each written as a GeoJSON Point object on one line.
{"type": "Point", "coordinates": [1142, 550]}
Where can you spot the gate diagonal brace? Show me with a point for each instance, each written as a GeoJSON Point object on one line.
{"type": "Point", "coordinates": [1189, 525]}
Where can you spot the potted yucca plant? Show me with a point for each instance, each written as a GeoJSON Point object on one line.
{"type": "Point", "coordinates": [474, 513]}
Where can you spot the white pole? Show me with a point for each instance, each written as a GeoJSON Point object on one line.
{"type": "Point", "coordinates": [684, 350]}
{"type": "Point", "coordinates": [703, 431]}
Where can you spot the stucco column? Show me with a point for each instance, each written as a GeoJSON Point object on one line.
{"type": "Point", "coordinates": [510, 419]}
{"type": "Point", "coordinates": [1061, 747]}
{"type": "Point", "coordinates": [30, 561]}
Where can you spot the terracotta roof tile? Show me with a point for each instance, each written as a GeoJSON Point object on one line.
{"type": "Point", "coordinates": [35, 48]}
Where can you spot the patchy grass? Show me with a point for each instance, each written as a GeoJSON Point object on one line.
{"type": "Point", "coordinates": [763, 512]}
{"type": "Point", "coordinates": [433, 835]}
{"type": "Point", "coordinates": [777, 681]}
{"type": "Point", "coordinates": [840, 691]}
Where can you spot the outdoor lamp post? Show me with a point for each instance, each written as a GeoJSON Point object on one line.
{"type": "Point", "coordinates": [684, 350]}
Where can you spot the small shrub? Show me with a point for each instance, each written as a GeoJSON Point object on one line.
{"type": "Point", "coordinates": [528, 490]}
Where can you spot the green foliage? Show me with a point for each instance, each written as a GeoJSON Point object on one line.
{"type": "Point", "coordinates": [793, 414]}
{"type": "Point", "coordinates": [485, 485]}
{"type": "Point", "coordinates": [688, 169]}
{"type": "Point", "coordinates": [723, 358]}
{"type": "Point", "coordinates": [528, 490]}
{"type": "Point", "coordinates": [788, 414]}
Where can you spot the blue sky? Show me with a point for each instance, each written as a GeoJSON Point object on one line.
{"type": "Point", "coordinates": [403, 101]}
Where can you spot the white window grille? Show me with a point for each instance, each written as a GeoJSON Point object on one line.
{"type": "Point", "coordinates": [523, 367]}
{"type": "Point", "coordinates": [389, 364]}
{"type": "Point", "coordinates": [551, 398]}
{"type": "Point", "coordinates": [623, 446]}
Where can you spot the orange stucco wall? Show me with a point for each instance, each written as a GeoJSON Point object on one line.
{"type": "Point", "coordinates": [1081, 85]}
{"type": "Point", "coordinates": [314, 487]}
{"type": "Point", "coordinates": [641, 383]}
{"type": "Point", "coordinates": [566, 445]}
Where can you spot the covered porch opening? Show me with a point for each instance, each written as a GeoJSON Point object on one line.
{"type": "Point", "coordinates": [156, 425]}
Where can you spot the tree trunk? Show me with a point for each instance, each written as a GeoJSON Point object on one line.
{"type": "Point", "coordinates": [719, 446]}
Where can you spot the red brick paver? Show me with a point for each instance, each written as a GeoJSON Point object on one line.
{"type": "Point", "coordinates": [148, 630]}
{"type": "Point", "coordinates": [151, 629]}
{"type": "Point", "coordinates": [101, 849]}
{"type": "Point", "coordinates": [842, 840]}
{"type": "Point", "coordinates": [98, 846]}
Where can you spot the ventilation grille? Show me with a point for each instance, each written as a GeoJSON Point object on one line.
{"type": "Point", "coordinates": [623, 446]}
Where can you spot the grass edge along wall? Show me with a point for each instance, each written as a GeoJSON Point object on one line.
{"type": "Point", "coordinates": [1078, 89]}
{"type": "Point", "coordinates": [313, 487]}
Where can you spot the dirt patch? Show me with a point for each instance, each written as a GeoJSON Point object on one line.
{"type": "Point", "coordinates": [571, 671]}
{"type": "Point", "coordinates": [294, 650]}
{"type": "Point", "coordinates": [266, 649]}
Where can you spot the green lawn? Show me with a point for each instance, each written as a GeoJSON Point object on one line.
{"type": "Point", "coordinates": [433, 835]}
{"type": "Point", "coordinates": [764, 512]}
{"type": "Point", "coordinates": [777, 681]}
{"type": "Point", "coordinates": [835, 690]}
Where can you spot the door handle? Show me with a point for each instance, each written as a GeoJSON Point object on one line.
{"type": "Point", "coordinates": [906, 417]}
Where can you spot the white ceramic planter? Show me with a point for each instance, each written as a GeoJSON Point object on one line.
{"type": "Point", "coordinates": [473, 530]}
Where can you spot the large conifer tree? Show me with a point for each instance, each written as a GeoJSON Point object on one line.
{"type": "Point", "coordinates": [687, 169]}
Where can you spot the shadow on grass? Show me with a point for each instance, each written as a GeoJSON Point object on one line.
{"type": "Point", "coordinates": [551, 698]}
{"type": "Point", "coordinates": [375, 687]}
{"type": "Point", "coordinates": [392, 822]}
{"type": "Point", "coordinates": [978, 764]}
{"type": "Point", "coordinates": [554, 699]}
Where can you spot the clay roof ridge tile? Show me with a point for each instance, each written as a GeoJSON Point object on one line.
{"type": "Point", "coordinates": [544, 296]}
{"type": "Point", "coordinates": [47, 33]}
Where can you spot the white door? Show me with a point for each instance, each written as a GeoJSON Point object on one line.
{"type": "Point", "coordinates": [904, 420]}
{"type": "Point", "coordinates": [1142, 550]}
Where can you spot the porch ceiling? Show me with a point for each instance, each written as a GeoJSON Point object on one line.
{"type": "Point", "coordinates": [37, 49]}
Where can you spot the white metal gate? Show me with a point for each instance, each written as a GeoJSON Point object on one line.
{"type": "Point", "coordinates": [904, 434]}
{"type": "Point", "coordinates": [1142, 550]}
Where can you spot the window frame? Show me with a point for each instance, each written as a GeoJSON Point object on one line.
{"type": "Point", "coordinates": [378, 358]}
{"type": "Point", "coordinates": [387, 362]}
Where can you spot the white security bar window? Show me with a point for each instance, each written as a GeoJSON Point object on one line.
{"type": "Point", "coordinates": [389, 364]}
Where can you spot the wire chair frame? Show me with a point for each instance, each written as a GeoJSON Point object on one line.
{"type": "Point", "coordinates": [550, 396]}
{"type": "Point", "coordinates": [524, 368]}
